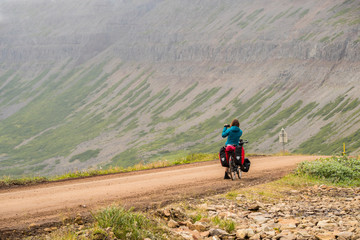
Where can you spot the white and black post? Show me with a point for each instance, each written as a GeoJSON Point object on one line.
{"type": "Point", "coordinates": [283, 138]}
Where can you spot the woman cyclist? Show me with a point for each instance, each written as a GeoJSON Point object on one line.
{"type": "Point", "coordinates": [233, 135]}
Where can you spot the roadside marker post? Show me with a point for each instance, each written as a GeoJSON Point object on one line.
{"type": "Point", "coordinates": [283, 138]}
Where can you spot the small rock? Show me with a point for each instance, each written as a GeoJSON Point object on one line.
{"type": "Point", "coordinates": [211, 208]}
{"type": "Point", "coordinates": [47, 230]}
{"type": "Point", "coordinates": [78, 220]}
{"type": "Point", "coordinates": [214, 238]}
{"type": "Point", "coordinates": [288, 223]}
{"type": "Point", "coordinates": [167, 212]}
{"type": "Point", "coordinates": [206, 220]}
{"type": "Point", "coordinates": [186, 223]}
{"type": "Point", "coordinates": [241, 233]}
{"type": "Point", "coordinates": [212, 213]}
{"type": "Point", "coordinates": [256, 237]}
{"type": "Point", "coordinates": [303, 233]}
{"type": "Point", "coordinates": [250, 232]}
{"type": "Point", "coordinates": [33, 225]}
{"type": "Point", "coordinates": [254, 207]}
{"type": "Point", "coordinates": [325, 236]}
{"type": "Point", "coordinates": [217, 232]}
{"type": "Point", "coordinates": [195, 235]}
{"type": "Point", "coordinates": [186, 235]}
{"type": "Point", "coordinates": [260, 219]}
{"type": "Point", "coordinates": [353, 223]}
{"type": "Point", "coordinates": [345, 235]}
{"type": "Point", "coordinates": [223, 214]}
{"type": "Point", "coordinates": [200, 226]}
{"type": "Point", "coordinates": [271, 233]}
{"type": "Point", "coordinates": [173, 224]}
{"type": "Point", "coordinates": [245, 233]}
{"type": "Point", "coordinates": [205, 234]}
{"type": "Point", "coordinates": [327, 225]}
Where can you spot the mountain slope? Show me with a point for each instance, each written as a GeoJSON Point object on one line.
{"type": "Point", "coordinates": [99, 83]}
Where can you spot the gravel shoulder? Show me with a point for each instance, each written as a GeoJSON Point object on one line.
{"type": "Point", "coordinates": [316, 212]}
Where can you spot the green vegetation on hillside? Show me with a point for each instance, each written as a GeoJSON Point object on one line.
{"type": "Point", "coordinates": [319, 143]}
{"type": "Point", "coordinates": [278, 16]}
{"type": "Point", "coordinates": [200, 99]}
{"type": "Point", "coordinates": [171, 102]}
{"type": "Point", "coordinates": [303, 13]}
{"type": "Point", "coordinates": [265, 128]}
{"type": "Point", "coordinates": [325, 110]}
{"type": "Point", "coordinates": [83, 157]}
{"type": "Point", "coordinates": [273, 108]}
{"type": "Point", "coordinates": [302, 113]}
{"type": "Point", "coordinates": [250, 18]}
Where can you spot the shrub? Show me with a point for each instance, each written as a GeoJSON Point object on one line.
{"type": "Point", "coordinates": [341, 170]}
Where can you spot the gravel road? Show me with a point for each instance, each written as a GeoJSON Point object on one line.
{"type": "Point", "coordinates": [50, 202]}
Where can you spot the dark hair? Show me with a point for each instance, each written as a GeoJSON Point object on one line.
{"type": "Point", "coordinates": [235, 122]}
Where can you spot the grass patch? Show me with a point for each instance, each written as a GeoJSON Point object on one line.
{"type": "Point", "coordinates": [114, 222]}
{"type": "Point", "coordinates": [273, 191]}
{"type": "Point", "coordinates": [343, 171]}
{"type": "Point", "coordinates": [227, 224]}
{"type": "Point", "coordinates": [127, 224]}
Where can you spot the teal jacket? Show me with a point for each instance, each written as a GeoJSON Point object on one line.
{"type": "Point", "coordinates": [234, 133]}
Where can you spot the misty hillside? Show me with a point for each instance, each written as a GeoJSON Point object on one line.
{"type": "Point", "coordinates": [99, 83]}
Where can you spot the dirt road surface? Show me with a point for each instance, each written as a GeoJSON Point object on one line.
{"type": "Point", "coordinates": [45, 203]}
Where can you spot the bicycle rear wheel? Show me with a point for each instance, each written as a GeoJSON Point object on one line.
{"type": "Point", "coordinates": [232, 168]}
{"type": "Point", "coordinates": [239, 173]}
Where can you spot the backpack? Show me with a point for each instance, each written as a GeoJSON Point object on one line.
{"type": "Point", "coordinates": [222, 157]}
{"type": "Point", "coordinates": [246, 166]}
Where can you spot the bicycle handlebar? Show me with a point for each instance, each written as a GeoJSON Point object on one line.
{"type": "Point", "coordinates": [243, 141]}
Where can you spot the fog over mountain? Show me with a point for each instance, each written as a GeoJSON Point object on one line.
{"type": "Point", "coordinates": [85, 84]}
